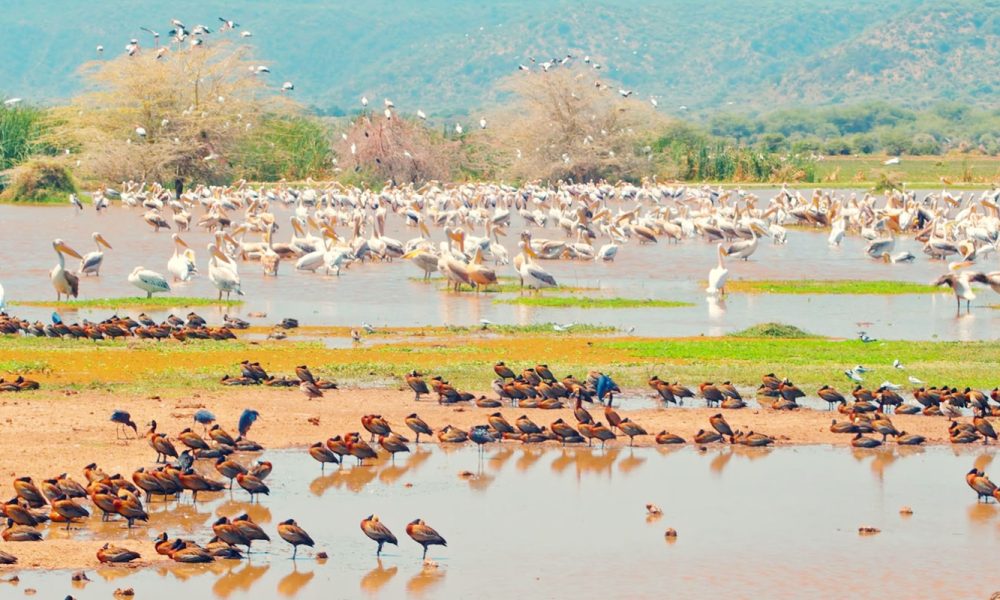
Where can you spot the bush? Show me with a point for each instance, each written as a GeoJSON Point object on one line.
{"type": "Point", "coordinates": [39, 180]}
{"type": "Point", "coordinates": [20, 129]}
{"type": "Point", "coordinates": [284, 147]}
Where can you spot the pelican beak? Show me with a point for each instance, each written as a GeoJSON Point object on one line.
{"type": "Point", "coordinates": [101, 240]}
{"type": "Point", "coordinates": [297, 227]}
{"type": "Point", "coordinates": [412, 253]}
{"type": "Point", "coordinates": [67, 250]}
{"type": "Point", "coordinates": [219, 255]}
{"type": "Point", "coordinates": [182, 242]}
{"type": "Point", "coordinates": [230, 239]}
{"type": "Point", "coordinates": [530, 251]}
{"type": "Point", "coordinates": [330, 234]}
{"type": "Point", "coordinates": [312, 222]}
{"type": "Point", "coordinates": [961, 265]}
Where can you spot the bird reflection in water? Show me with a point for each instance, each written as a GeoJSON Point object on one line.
{"type": "Point", "coordinates": [291, 584]}
{"type": "Point", "coordinates": [428, 578]}
{"type": "Point", "coordinates": [375, 579]}
{"type": "Point", "coordinates": [238, 579]}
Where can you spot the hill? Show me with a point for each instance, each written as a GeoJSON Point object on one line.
{"type": "Point", "coordinates": [447, 57]}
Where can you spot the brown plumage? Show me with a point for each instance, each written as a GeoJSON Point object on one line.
{"type": "Point", "coordinates": [293, 534]}
{"type": "Point", "coordinates": [378, 532]}
{"type": "Point", "coordinates": [424, 535]}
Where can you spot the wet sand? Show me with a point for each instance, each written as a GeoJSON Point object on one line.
{"type": "Point", "coordinates": [47, 433]}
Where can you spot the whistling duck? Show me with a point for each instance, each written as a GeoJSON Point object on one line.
{"type": "Point", "coordinates": [631, 429]}
{"type": "Point", "coordinates": [503, 371]}
{"type": "Point", "coordinates": [69, 487]}
{"type": "Point", "coordinates": [375, 425]}
{"type": "Point", "coordinates": [21, 533]}
{"type": "Point", "coordinates": [600, 432]}
{"type": "Point", "coordinates": [452, 435]}
{"type": "Point", "coordinates": [393, 443]}
{"type": "Point", "coordinates": [499, 423]}
{"type": "Point", "coordinates": [842, 427]}
{"type": "Point", "coordinates": [484, 402]}
{"type": "Point", "coordinates": [18, 514]}
{"type": "Point", "coordinates": [907, 409]}
{"type": "Point", "coordinates": [220, 436]}
{"type": "Point", "coordinates": [909, 439]}
{"type": "Point", "coordinates": [25, 489]}
{"type": "Point", "coordinates": [831, 396]}
{"type": "Point", "coordinates": [378, 532]}
{"type": "Point", "coordinates": [980, 484]}
{"type": "Point", "coordinates": [192, 440]}
{"type": "Point", "coordinates": [664, 437]}
{"type": "Point", "coordinates": [710, 393]}
{"type": "Point", "coordinates": [229, 533]}
{"type": "Point", "coordinates": [718, 423]}
{"type": "Point", "coordinates": [7, 559]}
{"type": "Point", "coordinates": [250, 530]}
{"type": "Point", "coordinates": [662, 388]}
{"type": "Point", "coordinates": [322, 454]}
{"type": "Point", "coordinates": [113, 554]}
{"type": "Point", "coordinates": [526, 425]}
{"type": "Point", "coordinates": [294, 535]}
{"type": "Point", "coordinates": [359, 449]}
{"type": "Point", "coordinates": [860, 441]}
{"type": "Point", "coordinates": [424, 535]}
{"type": "Point", "coordinates": [707, 437]}
{"type": "Point", "coordinates": [69, 510]}
{"type": "Point", "coordinates": [883, 425]}
{"type": "Point", "coordinates": [184, 552]}
{"type": "Point", "coordinates": [581, 413]}
{"type": "Point", "coordinates": [562, 430]}
{"type": "Point", "coordinates": [190, 480]}
{"type": "Point", "coordinates": [129, 506]}
{"type": "Point", "coordinates": [253, 485]}
{"type": "Point", "coordinates": [261, 469]}
{"type": "Point", "coordinates": [416, 383]}
{"type": "Point", "coordinates": [418, 426]}
{"type": "Point", "coordinates": [229, 469]}
{"type": "Point", "coordinates": [160, 443]}
{"type": "Point", "coordinates": [216, 548]}
{"type": "Point", "coordinates": [985, 429]}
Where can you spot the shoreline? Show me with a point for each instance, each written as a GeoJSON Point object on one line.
{"type": "Point", "coordinates": [66, 432]}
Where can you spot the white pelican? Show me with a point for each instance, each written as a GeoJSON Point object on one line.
{"type": "Point", "coordinates": [91, 261]}
{"type": "Point", "coordinates": [531, 274]}
{"type": "Point", "coordinates": [745, 248]}
{"type": "Point", "coordinates": [65, 282]}
{"type": "Point", "coordinates": [424, 260]}
{"type": "Point", "coordinates": [961, 284]}
{"type": "Point", "coordinates": [181, 264]}
{"type": "Point", "coordinates": [607, 253]}
{"type": "Point", "coordinates": [221, 275]}
{"type": "Point", "coordinates": [148, 281]}
{"type": "Point", "coordinates": [717, 276]}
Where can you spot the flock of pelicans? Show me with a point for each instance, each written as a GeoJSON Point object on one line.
{"type": "Point", "coordinates": [333, 227]}
{"type": "Point", "coordinates": [60, 499]}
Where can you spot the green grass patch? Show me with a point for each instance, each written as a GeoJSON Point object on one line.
{"type": "Point", "coordinates": [139, 303]}
{"type": "Point", "coordinates": [828, 286]}
{"type": "Point", "coordinates": [586, 302]}
{"type": "Point", "coordinates": [773, 330]}
{"type": "Point", "coordinates": [506, 285]}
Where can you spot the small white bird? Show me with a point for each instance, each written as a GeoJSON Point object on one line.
{"type": "Point", "coordinates": [246, 34]}
{"type": "Point", "coordinates": [388, 103]}
{"type": "Point", "coordinates": [100, 48]}
{"type": "Point", "coordinates": [354, 148]}
{"type": "Point", "coordinates": [364, 100]}
{"type": "Point", "coordinates": [898, 364]}
{"type": "Point", "coordinates": [861, 369]}
{"type": "Point", "coordinates": [482, 123]}
{"type": "Point", "coordinates": [388, 114]}
{"type": "Point", "coordinates": [12, 101]}
{"type": "Point", "coordinates": [140, 131]}
{"type": "Point", "coordinates": [864, 337]}
{"type": "Point", "coordinates": [367, 327]}
{"type": "Point", "coordinates": [853, 376]}
{"type": "Point", "coordinates": [421, 115]}
{"type": "Point", "coordinates": [287, 86]}
{"type": "Point", "coordinates": [458, 128]}
{"type": "Point", "coordinates": [485, 323]}
{"type": "Point", "coordinates": [914, 380]}
{"type": "Point", "coordinates": [890, 386]}
{"type": "Point", "coordinates": [625, 93]}
{"type": "Point", "coordinates": [523, 68]}
{"type": "Point", "coordinates": [75, 201]}
{"type": "Point", "coordinates": [892, 161]}
{"type": "Point", "coordinates": [654, 102]}
{"type": "Point", "coordinates": [561, 328]}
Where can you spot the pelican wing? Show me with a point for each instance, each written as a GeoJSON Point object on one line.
{"type": "Point", "coordinates": [90, 261]}
{"type": "Point", "coordinates": [153, 280]}
{"type": "Point", "coordinates": [541, 275]}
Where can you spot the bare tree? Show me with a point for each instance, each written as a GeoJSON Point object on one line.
{"type": "Point", "coordinates": [396, 149]}
{"type": "Point", "coordinates": [564, 124]}
{"type": "Point", "coordinates": [180, 111]}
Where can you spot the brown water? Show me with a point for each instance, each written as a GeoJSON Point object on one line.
{"type": "Point", "coordinates": [780, 523]}
{"type": "Point", "coordinates": [386, 295]}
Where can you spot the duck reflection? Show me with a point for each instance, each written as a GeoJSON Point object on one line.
{"type": "Point", "coordinates": [375, 579]}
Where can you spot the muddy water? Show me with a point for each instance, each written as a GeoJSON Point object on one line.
{"type": "Point", "coordinates": [556, 523]}
{"type": "Point", "coordinates": [386, 294]}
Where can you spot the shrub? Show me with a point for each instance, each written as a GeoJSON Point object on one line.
{"type": "Point", "coordinates": [39, 180]}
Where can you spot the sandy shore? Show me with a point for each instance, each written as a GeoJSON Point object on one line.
{"type": "Point", "coordinates": [47, 433]}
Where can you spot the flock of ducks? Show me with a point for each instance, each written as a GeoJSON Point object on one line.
{"type": "Point", "coordinates": [190, 327]}
{"type": "Point", "coordinates": [459, 230]}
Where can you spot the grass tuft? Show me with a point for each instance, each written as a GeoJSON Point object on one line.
{"type": "Point", "coordinates": [773, 330]}
{"type": "Point", "coordinates": [828, 286]}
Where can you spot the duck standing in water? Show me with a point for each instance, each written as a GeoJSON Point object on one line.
{"type": "Point", "coordinates": [424, 535]}
{"type": "Point", "coordinates": [293, 534]}
{"type": "Point", "coordinates": [378, 532]}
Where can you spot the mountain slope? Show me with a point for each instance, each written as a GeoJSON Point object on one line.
{"type": "Point", "coordinates": [448, 57]}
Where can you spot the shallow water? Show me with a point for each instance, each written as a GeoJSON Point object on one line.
{"type": "Point", "coordinates": [387, 294]}
{"type": "Point", "coordinates": [554, 523]}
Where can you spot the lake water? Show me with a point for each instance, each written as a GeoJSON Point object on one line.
{"type": "Point", "coordinates": [545, 523]}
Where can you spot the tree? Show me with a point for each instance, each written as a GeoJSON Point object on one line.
{"type": "Point", "coordinates": [395, 149]}
{"type": "Point", "coordinates": [564, 125]}
{"type": "Point", "coordinates": [180, 111]}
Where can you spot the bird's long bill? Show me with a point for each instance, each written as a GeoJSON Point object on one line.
{"type": "Point", "coordinates": [67, 250]}
{"type": "Point", "coordinates": [297, 227]}
{"type": "Point", "coordinates": [219, 255]}
{"type": "Point", "coordinates": [230, 239]}
{"type": "Point", "coordinates": [179, 241]}
{"type": "Point", "coordinates": [331, 234]}
{"type": "Point", "coordinates": [101, 240]}
{"type": "Point", "coordinates": [529, 250]}
{"type": "Point", "coordinates": [412, 253]}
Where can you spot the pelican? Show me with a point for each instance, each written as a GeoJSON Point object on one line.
{"type": "Point", "coordinates": [148, 281]}
{"type": "Point", "coordinates": [181, 264]}
{"type": "Point", "coordinates": [607, 253]}
{"type": "Point", "coordinates": [424, 260]}
{"type": "Point", "coordinates": [961, 284]}
{"type": "Point", "coordinates": [745, 248]}
{"type": "Point", "coordinates": [91, 261]}
{"type": "Point", "coordinates": [531, 274]}
{"type": "Point", "coordinates": [717, 276]}
{"type": "Point", "coordinates": [221, 275]}
{"type": "Point", "coordinates": [65, 282]}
